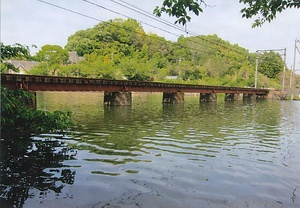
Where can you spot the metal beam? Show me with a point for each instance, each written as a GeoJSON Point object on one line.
{"type": "Point", "coordinates": [50, 83]}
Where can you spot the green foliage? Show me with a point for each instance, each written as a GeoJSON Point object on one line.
{"type": "Point", "coordinates": [53, 54]}
{"type": "Point", "coordinates": [17, 118]}
{"type": "Point", "coordinates": [179, 8]}
{"type": "Point", "coordinates": [121, 50]}
{"type": "Point", "coordinates": [16, 51]}
{"type": "Point", "coordinates": [271, 65]}
{"type": "Point", "coordinates": [115, 36]}
{"type": "Point", "coordinates": [135, 70]}
{"type": "Point", "coordinates": [51, 58]}
{"type": "Point", "coordinates": [80, 42]}
{"type": "Point", "coordinates": [266, 9]}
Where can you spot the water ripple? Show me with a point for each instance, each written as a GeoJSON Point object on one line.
{"type": "Point", "coordinates": [224, 154]}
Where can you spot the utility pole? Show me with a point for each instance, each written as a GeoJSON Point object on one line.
{"type": "Point", "coordinates": [284, 69]}
{"type": "Point", "coordinates": [291, 77]}
{"type": "Point", "coordinates": [294, 64]}
{"type": "Point", "coordinates": [256, 70]}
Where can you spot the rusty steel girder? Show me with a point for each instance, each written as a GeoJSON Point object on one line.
{"type": "Point", "coordinates": [53, 83]}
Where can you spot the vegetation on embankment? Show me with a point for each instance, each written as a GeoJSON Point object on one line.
{"type": "Point", "coordinates": [19, 119]}
{"type": "Point", "coordinates": [120, 49]}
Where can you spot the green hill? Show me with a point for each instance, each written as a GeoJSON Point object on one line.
{"type": "Point", "coordinates": [120, 49]}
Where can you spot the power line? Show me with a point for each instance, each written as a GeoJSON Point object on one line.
{"type": "Point", "coordinates": [111, 24]}
{"type": "Point", "coordinates": [143, 34]}
{"type": "Point", "coordinates": [158, 19]}
{"type": "Point", "coordinates": [143, 12]}
{"type": "Point", "coordinates": [99, 20]}
{"type": "Point", "coordinates": [97, 5]}
{"type": "Point", "coordinates": [100, 6]}
{"type": "Point", "coordinates": [72, 11]}
{"type": "Point", "coordinates": [148, 14]}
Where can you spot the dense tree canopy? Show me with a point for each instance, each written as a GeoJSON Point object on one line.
{"type": "Point", "coordinates": [271, 65]}
{"type": "Point", "coordinates": [52, 57]}
{"type": "Point", "coordinates": [267, 10]}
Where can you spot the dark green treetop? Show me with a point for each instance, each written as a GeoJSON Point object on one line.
{"type": "Point", "coordinates": [16, 51]}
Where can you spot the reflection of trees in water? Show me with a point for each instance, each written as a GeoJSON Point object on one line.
{"type": "Point", "coordinates": [32, 164]}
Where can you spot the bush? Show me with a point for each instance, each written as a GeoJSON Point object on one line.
{"type": "Point", "coordinates": [18, 119]}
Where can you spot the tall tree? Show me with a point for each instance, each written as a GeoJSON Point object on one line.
{"type": "Point", "coordinates": [53, 54]}
{"type": "Point", "coordinates": [52, 57]}
{"type": "Point", "coordinates": [109, 37]}
{"type": "Point", "coordinates": [271, 65]}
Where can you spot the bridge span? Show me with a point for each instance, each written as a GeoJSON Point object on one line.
{"type": "Point", "coordinates": [118, 92]}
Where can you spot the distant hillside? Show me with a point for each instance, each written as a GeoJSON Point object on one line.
{"type": "Point", "coordinates": [120, 49]}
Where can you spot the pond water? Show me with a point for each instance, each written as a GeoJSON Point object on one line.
{"type": "Point", "coordinates": [224, 154]}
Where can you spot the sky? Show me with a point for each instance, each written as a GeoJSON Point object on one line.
{"type": "Point", "coordinates": [32, 22]}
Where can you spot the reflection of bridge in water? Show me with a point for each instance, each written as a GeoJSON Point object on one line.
{"type": "Point", "coordinates": [118, 92]}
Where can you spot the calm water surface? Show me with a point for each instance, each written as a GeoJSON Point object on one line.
{"type": "Point", "coordinates": [224, 154]}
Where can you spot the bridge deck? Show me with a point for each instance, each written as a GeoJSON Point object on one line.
{"type": "Point", "coordinates": [51, 83]}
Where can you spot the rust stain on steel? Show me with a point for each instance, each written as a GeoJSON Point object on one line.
{"type": "Point", "coordinates": [51, 83]}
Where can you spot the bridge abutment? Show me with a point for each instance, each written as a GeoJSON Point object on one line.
{"type": "Point", "coordinates": [117, 98]}
{"type": "Point", "coordinates": [208, 97]}
{"type": "Point", "coordinates": [173, 97]}
{"type": "Point", "coordinates": [277, 95]}
{"type": "Point", "coordinates": [232, 96]}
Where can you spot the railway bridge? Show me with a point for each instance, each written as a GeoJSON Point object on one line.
{"type": "Point", "coordinates": [119, 92]}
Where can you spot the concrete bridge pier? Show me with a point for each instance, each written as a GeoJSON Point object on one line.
{"type": "Point", "coordinates": [117, 98]}
{"type": "Point", "coordinates": [249, 96]}
{"type": "Point", "coordinates": [231, 96]}
{"type": "Point", "coordinates": [208, 97]}
{"type": "Point", "coordinates": [260, 96]}
{"type": "Point", "coordinates": [173, 97]}
{"type": "Point", "coordinates": [31, 101]}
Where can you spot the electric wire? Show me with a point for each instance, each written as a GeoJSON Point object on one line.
{"type": "Point", "coordinates": [143, 34]}
{"type": "Point", "coordinates": [103, 7]}
{"type": "Point", "coordinates": [193, 41]}
{"type": "Point", "coordinates": [111, 24]}
{"type": "Point", "coordinates": [99, 20]}
{"type": "Point", "coordinates": [148, 14]}
{"type": "Point", "coordinates": [152, 16]}
{"type": "Point", "coordinates": [145, 13]}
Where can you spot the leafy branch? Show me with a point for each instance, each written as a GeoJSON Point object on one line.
{"type": "Point", "coordinates": [179, 8]}
{"type": "Point", "coordinates": [266, 10]}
